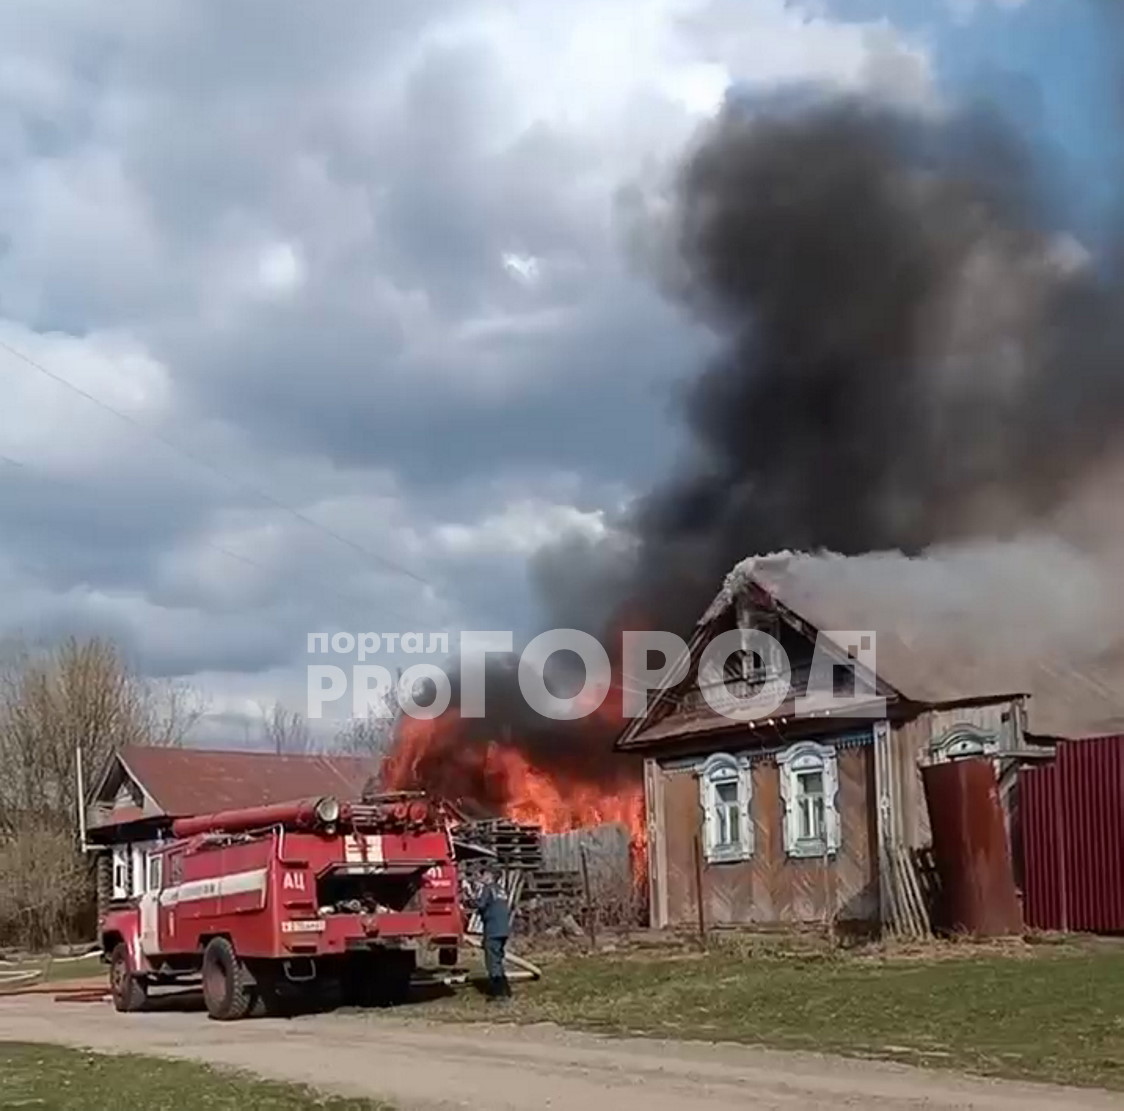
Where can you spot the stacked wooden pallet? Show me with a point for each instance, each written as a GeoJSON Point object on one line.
{"type": "Point", "coordinates": [540, 898]}
{"type": "Point", "coordinates": [552, 899]}
{"type": "Point", "coordinates": [514, 845]}
{"type": "Point", "coordinates": [553, 885]}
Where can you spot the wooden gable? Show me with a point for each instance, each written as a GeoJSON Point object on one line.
{"type": "Point", "coordinates": [682, 712]}
{"type": "Point", "coordinates": [118, 798]}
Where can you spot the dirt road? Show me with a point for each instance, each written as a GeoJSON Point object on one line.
{"type": "Point", "coordinates": [498, 1068]}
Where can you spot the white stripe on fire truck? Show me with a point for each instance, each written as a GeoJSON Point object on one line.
{"type": "Point", "coordinates": [238, 883]}
{"type": "Point", "coordinates": [354, 848]}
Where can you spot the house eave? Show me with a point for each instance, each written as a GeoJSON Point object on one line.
{"type": "Point", "coordinates": [99, 821]}
{"type": "Point", "coordinates": [142, 828]}
{"type": "Point", "coordinates": [783, 722]}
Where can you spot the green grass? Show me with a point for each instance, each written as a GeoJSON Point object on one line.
{"type": "Point", "coordinates": [1055, 1017]}
{"type": "Point", "coordinates": [73, 970]}
{"type": "Point", "coordinates": [42, 1076]}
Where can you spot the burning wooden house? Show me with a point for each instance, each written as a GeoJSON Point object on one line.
{"type": "Point", "coordinates": [560, 816]}
{"type": "Point", "coordinates": [812, 814]}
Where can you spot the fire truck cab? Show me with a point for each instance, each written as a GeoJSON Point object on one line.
{"type": "Point", "coordinates": [280, 901]}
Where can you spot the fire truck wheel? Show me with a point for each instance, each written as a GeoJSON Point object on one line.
{"type": "Point", "coordinates": [129, 993]}
{"type": "Point", "coordinates": [227, 991]}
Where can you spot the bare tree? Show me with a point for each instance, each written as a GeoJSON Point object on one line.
{"type": "Point", "coordinates": [174, 709]}
{"type": "Point", "coordinates": [46, 892]}
{"type": "Point", "coordinates": [285, 731]}
{"type": "Point", "coordinates": [372, 734]}
{"type": "Point", "coordinates": [77, 696]}
{"type": "Point", "coordinates": [365, 736]}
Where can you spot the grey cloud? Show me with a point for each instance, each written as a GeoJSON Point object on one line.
{"type": "Point", "coordinates": [153, 154]}
{"type": "Point", "coordinates": [107, 528]}
{"type": "Point", "coordinates": [593, 395]}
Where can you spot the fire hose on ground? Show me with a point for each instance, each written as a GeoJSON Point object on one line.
{"type": "Point", "coordinates": [16, 980]}
{"type": "Point", "coordinates": [524, 969]}
{"type": "Point", "coordinates": [87, 951]}
{"type": "Point", "coordinates": [13, 981]}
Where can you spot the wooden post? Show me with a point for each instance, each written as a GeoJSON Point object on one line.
{"type": "Point", "coordinates": [834, 905]}
{"type": "Point", "coordinates": [590, 914]}
{"type": "Point", "coordinates": [882, 809]}
{"type": "Point", "coordinates": [828, 910]}
{"type": "Point", "coordinates": [657, 860]}
{"type": "Point", "coordinates": [699, 891]}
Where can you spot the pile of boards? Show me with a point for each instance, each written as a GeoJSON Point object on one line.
{"type": "Point", "coordinates": [539, 897]}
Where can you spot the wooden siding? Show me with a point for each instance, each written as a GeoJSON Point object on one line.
{"type": "Point", "coordinates": [769, 888]}
{"type": "Point", "coordinates": [119, 800]}
{"type": "Point", "coordinates": [657, 857]}
{"type": "Point", "coordinates": [910, 743]}
{"type": "Point", "coordinates": [103, 881]}
{"type": "Point", "coordinates": [999, 718]}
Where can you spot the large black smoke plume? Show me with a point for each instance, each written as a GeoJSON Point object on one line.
{"type": "Point", "coordinates": [915, 359]}
{"type": "Point", "coordinates": [913, 349]}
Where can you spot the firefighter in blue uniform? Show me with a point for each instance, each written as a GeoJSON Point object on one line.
{"type": "Point", "coordinates": [495, 922]}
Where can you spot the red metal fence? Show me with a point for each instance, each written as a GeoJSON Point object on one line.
{"type": "Point", "coordinates": [1071, 817]}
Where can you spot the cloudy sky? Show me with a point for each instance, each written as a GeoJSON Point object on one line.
{"type": "Point", "coordinates": [335, 312]}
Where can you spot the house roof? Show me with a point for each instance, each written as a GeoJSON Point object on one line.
{"type": "Point", "coordinates": [931, 651]}
{"type": "Point", "coordinates": [186, 781]}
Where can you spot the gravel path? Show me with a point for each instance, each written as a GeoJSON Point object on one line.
{"type": "Point", "coordinates": [500, 1068]}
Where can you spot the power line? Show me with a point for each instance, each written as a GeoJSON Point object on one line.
{"type": "Point", "coordinates": [261, 567]}
{"type": "Point", "coordinates": [201, 462]}
{"type": "Point", "coordinates": [350, 601]}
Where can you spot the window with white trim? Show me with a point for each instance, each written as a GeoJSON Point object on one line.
{"type": "Point", "coordinates": [120, 876]}
{"type": "Point", "coordinates": [139, 869]}
{"type": "Point", "coordinates": [725, 791]}
{"type": "Point", "coordinates": [155, 871]}
{"type": "Point", "coordinates": [810, 818]}
{"type": "Point", "coordinates": [810, 788]}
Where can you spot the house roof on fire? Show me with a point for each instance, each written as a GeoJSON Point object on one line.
{"type": "Point", "coordinates": [141, 782]}
{"type": "Point", "coordinates": [930, 652]}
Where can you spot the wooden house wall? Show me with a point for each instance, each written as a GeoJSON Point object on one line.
{"type": "Point", "coordinates": [769, 888]}
{"type": "Point", "coordinates": [910, 742]}
{"type": "Point", "coordinates": [103, 877]}
{"type": "Point", "coordinates": [992, 717]}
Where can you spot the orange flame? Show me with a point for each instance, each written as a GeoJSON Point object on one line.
{"type": "Point", "coordinates": [560, 790]}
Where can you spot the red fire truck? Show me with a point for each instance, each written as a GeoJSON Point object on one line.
{"type": "Point", "coordinates": [279, 901]}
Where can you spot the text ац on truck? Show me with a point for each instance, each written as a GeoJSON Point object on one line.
{"type": "Point", "coordinates": [286, 901]}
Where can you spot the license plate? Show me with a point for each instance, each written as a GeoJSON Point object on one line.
{"type": "Point", "coordinates": [307, 926]}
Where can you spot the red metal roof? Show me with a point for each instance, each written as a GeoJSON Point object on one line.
{"type": "Point", "coordinates": [187, 781]}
